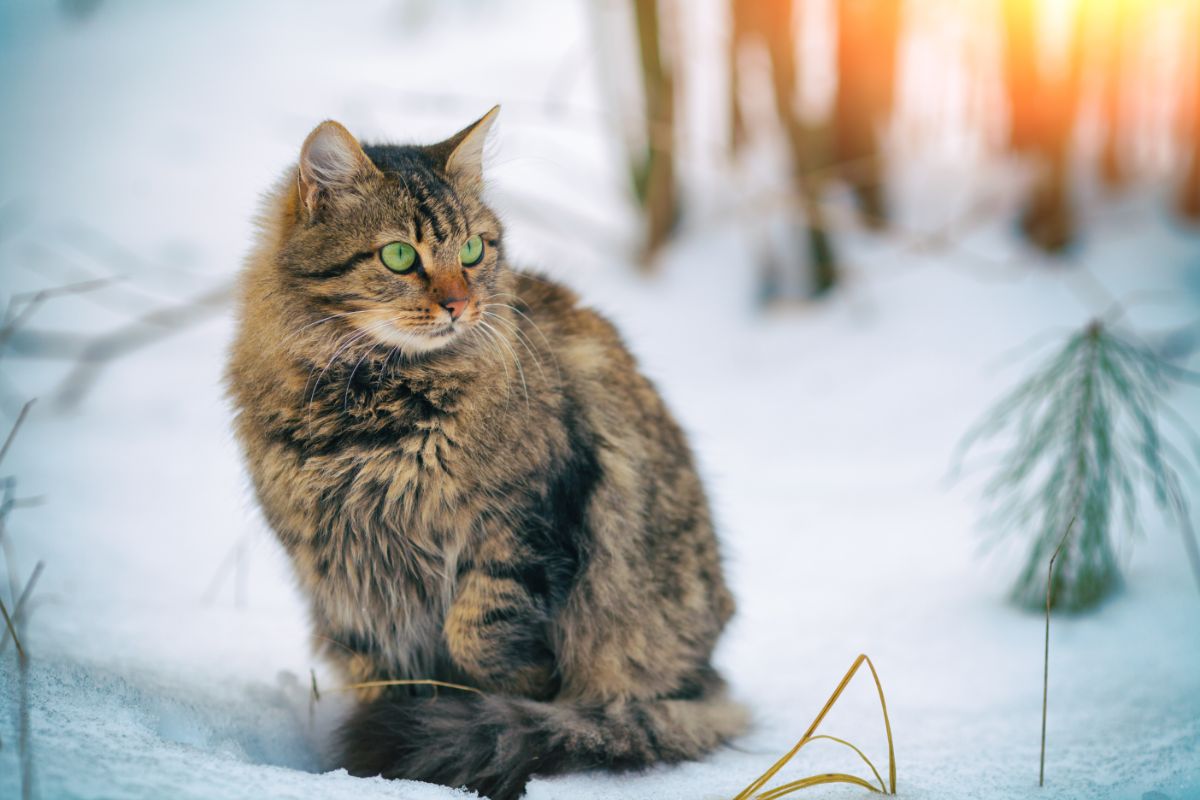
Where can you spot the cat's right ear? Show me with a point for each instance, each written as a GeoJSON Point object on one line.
{"type": "Point", "coordinates": [330, 160]}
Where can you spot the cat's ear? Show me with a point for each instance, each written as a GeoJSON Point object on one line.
{"type": "Point", "coordinates": [464, 150]}
{"type": "Point", "coordinates": [331, 159]}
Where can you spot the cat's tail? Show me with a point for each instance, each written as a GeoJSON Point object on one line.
{"type": "Point", "coordinates": [493, 744]}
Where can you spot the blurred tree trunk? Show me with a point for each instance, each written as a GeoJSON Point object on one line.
{"type": "Point", "coordinates": [1111, 51]}
{"type": "Point", "coordinates": [1021, 80]}
{"type": "Point", "coordinates": [741, 30]}
{"type": "Point", "coordinates": [1043, 110]}
{"type": "Point", "coordinates": [771, 23]}
{"type": "Point", "coordinates": [654, 174]}
{"type": "Point", "coordinates": [1189, 195]}
{"type": "Point", "coordinates": [867, 36]}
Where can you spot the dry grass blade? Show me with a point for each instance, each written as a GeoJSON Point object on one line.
{"type": "Point", "coordinates": [1046, 652]}
{"type": "Point", "coordinates": [861, 754]}
{"type": "Point", "coordinates": [422, 682]}
{"type": "Point", "coordinates": [817, 780]}
{"type": "Point", "coordinates": [12, 432]}
{"type": "Point", "coordinates": [12, 630]}
{"type": "Point", "coordinates": [811, 735]}
{"type": "Point", "coordinates": [19, 606]}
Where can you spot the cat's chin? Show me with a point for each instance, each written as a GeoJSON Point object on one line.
{"type": "Point", "coordinates": [420, 342]}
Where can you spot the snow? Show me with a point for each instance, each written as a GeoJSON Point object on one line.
{"type": "Point", "coordinates": [165, 665]}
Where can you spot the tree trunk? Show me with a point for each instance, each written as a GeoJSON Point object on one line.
{"type": "Point", "coordinates": [1189, 194]}
{"type": "Point", "coordinates": [1043, 119]}
{"type": "Point", "coordinates": [741, 29]}
{"type": "Point", "coordinates": [867, 34]}
{"type": "Point", "coordinates": [654, 176]}
{"type": "Point", "coordinates": [771, 23]}
{"type": "Point", "coordinates": [1022, 82]}
{"type": "Point", "coordinates": [1112, 62]}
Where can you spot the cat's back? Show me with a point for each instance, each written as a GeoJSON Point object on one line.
{"type": "Point", "coordinates": [657, 499]}
{"type": "Point", "coordinates": [580, 339]}
{"type": "Point", "coordinates": [596, 369]}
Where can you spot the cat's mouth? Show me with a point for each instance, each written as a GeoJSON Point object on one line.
{"type": "Point", "coordinates": [408, 335]}
{"type": "Point", "coordinates": [422, 339]}
{"type": "Point", "coordinates": [445, 331]}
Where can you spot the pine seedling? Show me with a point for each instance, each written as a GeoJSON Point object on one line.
{"type": "Point", "coordinates": [1083, 440]}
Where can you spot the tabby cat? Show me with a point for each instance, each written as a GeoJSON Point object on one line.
{"type": "Point", "coordinates": [475, 484]}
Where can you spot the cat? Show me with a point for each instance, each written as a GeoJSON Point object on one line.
{"type": "Point", "coordinates": [474, 483]}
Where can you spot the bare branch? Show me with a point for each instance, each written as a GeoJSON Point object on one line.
{"type": "Point", "coordinates": [19, 606]}
{"type": "Point", "coordinates": [12, 433]}
{"type": "Point", "coordinates": [12, 630]}
{"type": "Point", "coordinates": [147, 329]}
{"type": "Point", "coordinates": [28, 302]}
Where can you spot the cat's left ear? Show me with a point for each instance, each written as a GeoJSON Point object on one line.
{"type": "Point", "coordinates": [464, 150]}
{"type": "Point", "coordinates": [330, 160]}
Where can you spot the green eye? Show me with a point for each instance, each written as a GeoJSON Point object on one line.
{"type": "Point", "coordinates": [398, 257]}
{"type": "Point", "coordinates": [471, 252]}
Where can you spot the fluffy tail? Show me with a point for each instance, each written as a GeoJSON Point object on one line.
{"type": "Point", "coordinates": [493, 744]}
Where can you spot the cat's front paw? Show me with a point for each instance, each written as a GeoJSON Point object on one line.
{"type": "Point", "coordinates": [504, 653]}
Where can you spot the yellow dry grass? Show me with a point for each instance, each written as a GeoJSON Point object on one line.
{"type": "Point", "coordinates": [748, 793]}
{"type": "Point", "coordinates": [811, 735]}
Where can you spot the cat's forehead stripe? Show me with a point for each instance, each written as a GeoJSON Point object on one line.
{"type": "Point", "coordinates": [438, 210]}
{"type": "Point", "coordinates": [434, 206]}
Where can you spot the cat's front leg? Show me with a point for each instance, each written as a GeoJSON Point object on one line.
{"type": "Point", "coordinates": [496, 630]}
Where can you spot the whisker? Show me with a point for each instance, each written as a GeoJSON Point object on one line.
{"type": "Point", "coordinates": [537, 328]}
{"type": "Point", "coordinates": [333, 316]}
{"type": "Point", "coordinates": [350, 380]}
{"type": "Point", "coordinates": [387, 363]}
{"type": "Point", "coordinates": [516, 359]}
{"type": "Point", "coordinates": [347, 337]}
{"type": "Point", "coordinates": [521, 338]}
{"type": "Point", "coordinates": [499, 356]}
{"type": "Point", "coordinates": [360, 335]}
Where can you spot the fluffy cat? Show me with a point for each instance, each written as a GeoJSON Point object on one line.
{"type": "Point", "coordinates": [474, 483]}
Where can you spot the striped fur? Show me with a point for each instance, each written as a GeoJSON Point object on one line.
{"type": "Point", "coordinates": [499, 500]}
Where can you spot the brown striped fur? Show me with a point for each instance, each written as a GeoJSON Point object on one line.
{"type": "Point", "coordinates": [500, 500]}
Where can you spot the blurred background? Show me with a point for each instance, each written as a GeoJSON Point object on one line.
{"type": "Point", "coordinates": [834, 232]}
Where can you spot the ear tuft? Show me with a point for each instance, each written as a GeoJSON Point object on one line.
{"type": "Point", "coordinates": [465, 161]}
{"type": "Point", "coordinates": [330, 159]}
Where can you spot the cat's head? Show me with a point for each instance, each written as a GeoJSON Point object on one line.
{"type": "Point", "coordinates": [395, 240]}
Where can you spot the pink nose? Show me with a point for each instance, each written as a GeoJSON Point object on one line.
{"type": "Point", "coordinates": [456, 306]}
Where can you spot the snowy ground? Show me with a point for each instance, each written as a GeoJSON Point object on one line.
{"type": "Point", "coordinates": [137, 142]}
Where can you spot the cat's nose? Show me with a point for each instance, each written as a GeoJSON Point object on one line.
{"type": "Point", "coordinates": [455, 305]}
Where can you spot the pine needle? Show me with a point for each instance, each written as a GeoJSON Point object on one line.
{"type": "Point", "coordinates": [811, 735]}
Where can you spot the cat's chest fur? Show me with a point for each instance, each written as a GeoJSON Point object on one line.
{"type": "Point", "coordinates": [398, 497]}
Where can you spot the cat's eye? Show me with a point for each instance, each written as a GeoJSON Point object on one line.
{"type": "Point", "coordinates": [398, 257]}
{"type": "Point", "coordinates": [471, 252]}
